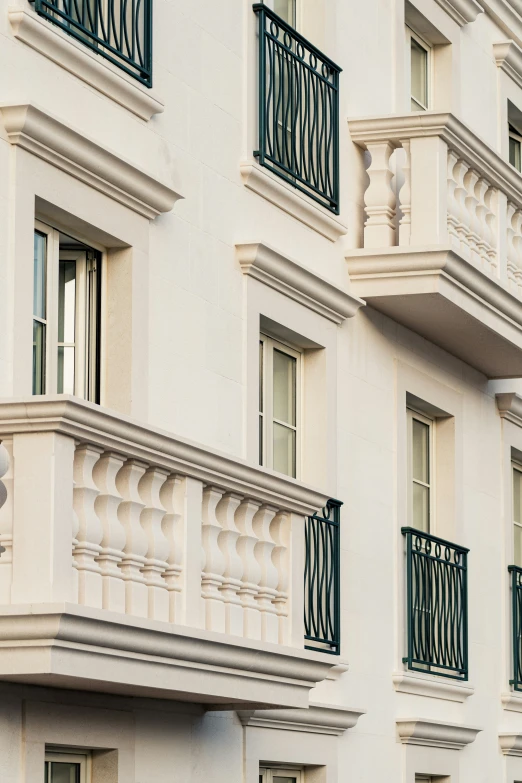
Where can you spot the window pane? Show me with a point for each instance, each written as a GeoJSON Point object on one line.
{"type": "Point", "coordinates": [67, 302]}
{"type": "Point", "coordinates": [514, 153]}
{"type": "Point", "coordinates": [421, 451]}
{"type": "Point", "coordinates": [38, 358]}
{"type": "Point", "coordinates": [518, 546]}
{"type": "Point", "coordinates": [261, 440]}
{"type": "Point", "coordinates": [64, 772]}
{"type": "Point", "coordinates": [419, 74]}
{"type": "Point", "coordinates": [421, 508]}
{"type": "Point", "coordinates": [40, 243]}
{"type": "Point", "coordinates": [65, 383]}
{"type": "Point", "coordinates": [261, 378]}
{"type": "Point", "coordinates": [517, 496]}
{"type": "Point", "coordinates": [284, 387]}
{"type": "Point", "coordinates": [284, 450]}
{"type": "Point", "coordinates": [286, 10]}
{"type": "Point", "coordinates": [280, 779]}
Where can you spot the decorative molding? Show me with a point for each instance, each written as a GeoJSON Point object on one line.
{"type": "Point", "coordinates": [317, 719]}
{"type": "Point", "coordinates": [270, 187]}
{"type": "Point", "coordinates": [508, 57]}
{"type": "Point", "coordinates": [461, 11]}
{"type": "Point", "coordinates": [72, 646]}
{"type": "Point", "coordinates": [87, 422]}
{"type": "Point", "coordinates": [508, 16]}
{"type": "Point", "coordinates": [337, 670]}
{"type": "Point", "coordinates": [509, 406]}
{"type": "Point", "coordinates": [36, 131]}
{"type": "Point", "coordinates": [431, 686]}
{"type": "Point", "coordinates": [272, 268]}
{"type": "Point", "coordinates": [512, 701]}
{"type": "Point", "coordinates": [510, 743]}
{"type": "Point", "coordinates": [435, 733]}
{"type": "Point", "coordinates": [62, 49]}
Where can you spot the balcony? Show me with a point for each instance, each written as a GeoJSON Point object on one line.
{"type": "Point", "coordinates": [436, 605]}
{"type": "Point", "coordinates": [120, 31]}
{"type": "Point", "coordinates": [442, 248]}
{"type": "Point", "coordinates": [298, 111]}
{"type": "Point", "coordinates": [134, 562]}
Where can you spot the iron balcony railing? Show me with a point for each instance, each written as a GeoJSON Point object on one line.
{"type": "Point", "coordinates": [118, 30]}
{"type": "Point", "coordinates": [322, 616]}
{"type": "Point", "coordinates": [298, 110]}
{"type": "Point", "coordinates": [437, 605]}
{"type": "Point", "coordinates": [516, 606]}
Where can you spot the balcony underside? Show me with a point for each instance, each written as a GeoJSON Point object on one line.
{"type": "Point", "coordinates": [68, 646]}
{"type": "Point", "coordinates": [444, 298]}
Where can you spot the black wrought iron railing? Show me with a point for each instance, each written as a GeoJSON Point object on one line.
{"type": "Point", "coordinates": [516, 608]}
{"type": "Point", "coordinates": [118, 30]}
{"type": "Point", "coordinates": [298, 110]}
{"type": "Point", "coordinates": [436, 605]}
{"type": "Point", "coordinates": [322, 616]}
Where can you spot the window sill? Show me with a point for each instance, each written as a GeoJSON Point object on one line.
{"type": "Point", "coordinates": [432, 686]}
{"type": "Point", "coordinates": [270, 187]}
{"type": "Point", "coordinates": [61, 49]}
{"type": "Point", "coordinates": [512, 701]}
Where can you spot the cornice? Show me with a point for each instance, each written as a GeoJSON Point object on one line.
{"type": "Point", "coordinates": [509, 406]}
{"type": "Point", "coordinates": [36, 131]}
{"type": "Point", "coordinates": [510, 743]}
{"type": "Point", "coordinates": [508, 16]}
{"type": "Point", "coordinates": [435, 733]}
{"type": "Point", "coordinates": [432, 687]}
{"type": "Point", "coordinates": [397, 128]}
{"type": "Point", "coordinates": [273, 189]}
{"type": "Point", "coordinates": [89, 423]}
{"type": "Point", "coordinates": [57, 46]}
{"type": "Point", "coordinates": [317, 719]}
{"type": "Point", "coordinates": [508, 57]}
{"type": "Point", "coordinates": [272, 268]}
{"type": "Point", "coordinates": [461, 11]}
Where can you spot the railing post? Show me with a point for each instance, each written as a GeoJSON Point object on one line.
{"type": "Point", "coordinates": [379, 199]}
{"type": "Point", "coordinates": [429, 191]}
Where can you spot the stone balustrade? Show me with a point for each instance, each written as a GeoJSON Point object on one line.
{"type": "Point", "coordinates": [106, 513]}
{"type": "Point", "coordinates": [434, 183]}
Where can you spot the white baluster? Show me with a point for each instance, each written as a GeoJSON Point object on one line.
{"type": "Point", "coordinates": [511, 252]}
{"type": "Point", "coordinates": [251, 571]}
{"type": "Point", "coordinates": [471, 201]}
{"type": "Point", "coordinates": [405, 196]}
{"type": "Point", "coordinates": [172, 499]}
{"type": "Point", "coordinates": [517, 244]}
{"type": "Point", "coordinates": [233, 571]}
{"type": "Point", "coordinates": [6, 519]}
{"type": "Point", "coordinates": [267, 590]}
{"type": "Point", "coordinates": [459, 171]}
{"type": "Point", "coordinates": [379, 199]}
{"type": "Point", "coordinates": [113, 541]}
{"type": "Point", "coordinates": [158, 547]}
{"type": "Point", "coordinates": [136, 544]}
{"type": "Point", "coordinates": [485, 242]}
{"type": "Point", "coordinates": [213, 562]}
{"type": "Point", "coordinates": [491, 202]}
{"type": "Point", "coordinates": [89, 530]}
{"type": "Point", "coordinates": [454, 224]}
{"type": "Point", "coordinates": [280, 530]}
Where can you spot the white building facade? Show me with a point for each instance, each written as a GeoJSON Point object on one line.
{"type": "Point", "coordinates": [261, 391]}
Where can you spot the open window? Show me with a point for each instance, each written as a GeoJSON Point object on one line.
{"type": "Point", "coordinates": [421, 436]}
{"type": "Point", "coordinates": [281, 775]}
{"type": "Point", "coordinates": [67, 767]}
{"type": "Point", "coordinates": [515, 136]}
{"type": "Point", "coordinates": [420, 57]}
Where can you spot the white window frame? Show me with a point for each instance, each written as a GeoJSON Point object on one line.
{"type": "Point", "coordinates": [267, 773]}
{"type": "Point", "coordinates": [73, 756]}
{"type": "Point", "coordinates": [83, 363]}
{"type": "Point", "coordinates": [515, 466]}
{"type": "Point", "coordinates": [298, 3]}
{"type": "Point", "coordinates": [266, 383]}
{"type": "Point", "coordinates": [412, 35]}
{"type": "Point", "coordinates": [411, 415]}
{"type": "Point", "coordinates": [514, 134]}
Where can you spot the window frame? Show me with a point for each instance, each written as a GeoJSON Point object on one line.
{"type": "Point", "coordinates": [413, 414]}
{"type": "Point", "coordinates": [297, 9]}
{"type": "Point", "coordinates": [72, 756]}
{"type": "Point", "coordinates": [267, 773]}
{"type": "Point", "coordinates": [515, 467]}
{"type": "Point", "coordinates": [411, 34]}
{"type": "Point", "coordinates": [266, 443]}
{"type": "Point", "coordinates": [87, 371]}
{"type": "Point", "coordinates": [516, 135]}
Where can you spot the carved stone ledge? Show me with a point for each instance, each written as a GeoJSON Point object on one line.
{"type": "Point", "coordinates": [511, 701]}
{"type": "Point", "coordinates": [272, 268]}
{"type": "Point", "coordinates": [431, 686]}
{"type": "Point", "coordinates": [317, 719]}
{"type": "Point", "coordinates": [461, 11]}
{"type": "Point", "coordinates": [510, 743]}
{"type": "Point", "coordinates": [435, 734]}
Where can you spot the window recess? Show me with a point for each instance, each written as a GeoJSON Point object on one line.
{"type": "Point", "coordinates": [420, 56]}
{"type": "Point", "coordinates": [66, 315]}
{"type": "Point", "coordinates": [281, 775]}
{"type": "Point", "coordinates": [421, 436]}
{"type": "Point", "coordinates": [67, 767]}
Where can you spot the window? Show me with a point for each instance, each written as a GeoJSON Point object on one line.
{"type": "Point", "coordinates": [285, 775]}
{"type": "Point", "coordinates": [515, 148]}
{"type": "Point", "coordinates": [517, 514]}
{"type": "Point", "coordinates": [420, 65]}
{"type": "Point", "coordinates": [65, 767]}
{"type": "Point", "coordinates": [420, 462]}
{"type": "Point", "coordinates": [66, 315]}
{"type": "Point", "coordinates": [279, 408]}
{"type": "Point", "coordinates": [286, 9]}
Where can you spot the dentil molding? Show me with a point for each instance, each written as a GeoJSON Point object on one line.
{"type": "Point", "coordinates": [317, 719]}
{"type": "Point", "coordinates": [272, 268]}
{"type": "Point", "coordinates": [290, 200]}
{"type": "Point", "coordinates": [435, 733]}
{"type": "Point", "coordinates": [57, 46]}
{"type": "Point", "coordinates": [40, 133]}
{"type": "Point", "coordinates": [510, 743]}
{"type": "Point", "coordinates": [461, 11]}
{"type": "Point", "coordinates": [431, 686]}
{"type": "Point", "coordinates": [508, 57]}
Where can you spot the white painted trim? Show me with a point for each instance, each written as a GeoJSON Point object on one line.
{"type": "Point", "coordinates": [435, 733]}
{"type": "Point", "coordinates": [43, 135]}
{"type": "Point", "coordinates": [461, 11]}
{"type": "Point", "coordinates": [511, 700]}
{"type": "Point", "coordinates": [276, 270]}
{"type": "Point", "coordinates": [432, 686]}
{"type": "Point", "coordinates": [510, 743]}
{"type": "Point", "coordinates": [507, 16]}
{"type": "Point", "coordinates": [508, 57]}
{"type": "Point", "coordinates": [317, 719]}
{"type": "Point", "coordinates": [509, 406]}
{"type": "Point", "coordinates": [62, 49]}
{"type": "Point", "coordinates": [99, 426]}
{"type": "Point", "coordinates": [290, 200]}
